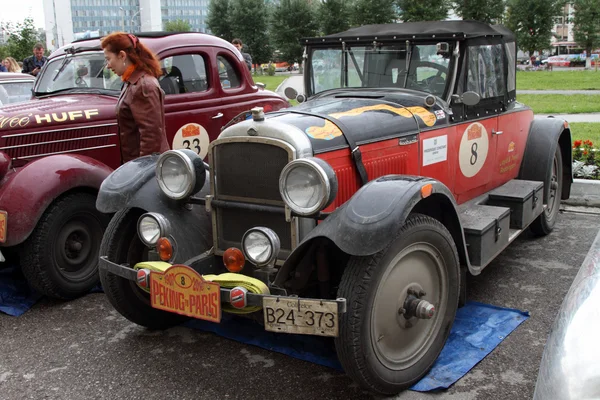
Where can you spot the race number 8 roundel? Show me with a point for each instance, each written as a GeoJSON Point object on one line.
{"type": "Point", "coordinates": [473, 149]}
{"type": "Point", "coordinates": [192, 137]}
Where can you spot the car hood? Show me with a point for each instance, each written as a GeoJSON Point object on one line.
{"type": "Point", "coordinates": [379, 116]}
{"type": "Point", "coordinates": [57, 111]}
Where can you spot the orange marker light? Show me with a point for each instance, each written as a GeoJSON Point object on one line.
{"type": "Point", "coordinates": [234, 259]}
{"type": "Point", "coordinates": [164, 249]}
{"type": "Point", "coordinates": [426, 190]}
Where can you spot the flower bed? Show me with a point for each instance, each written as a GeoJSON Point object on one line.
{"type": "Point", "coordinates": [586, 160]}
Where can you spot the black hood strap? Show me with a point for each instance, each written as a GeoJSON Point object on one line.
{"type": "Point", "coordinates": [354, 149]}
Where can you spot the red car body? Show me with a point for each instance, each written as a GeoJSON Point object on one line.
{"type": "Point", "coordinates": [65, 138]}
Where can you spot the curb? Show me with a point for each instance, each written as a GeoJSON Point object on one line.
{"type": "Point", "coordinates": [584, 192]}
{"type": "Point", "coordinates": [281, 85]}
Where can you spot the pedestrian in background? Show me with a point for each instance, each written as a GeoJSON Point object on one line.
{"type": "Point", "coordinates": [140, 109]}
{"type": "Point", "coordinates": [237, 43]}
{"type": "Point", "coordinates": [11, 65]}
{"type": "Point", "coordinates": [32, 65]}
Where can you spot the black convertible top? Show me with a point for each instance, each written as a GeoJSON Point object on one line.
{"type": "Point", "coordinates": [456, 30]}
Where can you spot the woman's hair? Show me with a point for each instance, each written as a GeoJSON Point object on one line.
{"type": "Point", "coordinates": [137, 53]}
{"type": "Point", "coordinates": [13, 66]}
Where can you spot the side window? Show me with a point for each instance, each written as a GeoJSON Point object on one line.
{"type": "Point", "coordinates": [184, 73]}
{"type": "Point", "coordinates": [486, 71]}
{"type": "Point", "coordinates": [228, 74]}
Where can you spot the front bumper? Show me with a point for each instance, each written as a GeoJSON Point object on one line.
{"type": "Point", "coordinates": [253, 299]}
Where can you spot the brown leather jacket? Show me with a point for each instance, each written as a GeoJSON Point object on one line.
{"type": "Point", "coordinates": [141, 117]}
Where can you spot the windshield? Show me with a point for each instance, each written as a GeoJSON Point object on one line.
{"type": "Point", "coordinates": [79, 71]}
{"type": "Point", "coordinates": [383, 66]}
{"type": "Point", "coordinates": [14, 92]}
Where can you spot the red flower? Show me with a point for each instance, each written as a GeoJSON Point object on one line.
{"type": "Point", "coordinates": [585, 152]}
{"type": "Point", "coordinates": [588, 142]}
{"type": "Point", "coordinates": [577, 143]}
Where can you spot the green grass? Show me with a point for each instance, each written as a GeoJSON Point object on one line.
{"type": "Point", "coordinates": [558, 80]}
{"type": "Point", "coordinates": [585, 131]}
{"type": "Point", "coordinates": [560, 103]}
{"type": "Point", "coordinates": [271, 81]}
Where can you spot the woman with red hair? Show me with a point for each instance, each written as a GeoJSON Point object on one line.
{"type": "Point", "coordinates": [140, 109]}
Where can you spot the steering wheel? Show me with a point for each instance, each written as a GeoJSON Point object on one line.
{"type": "Point", "coordinates": [80, 82]}
{"type": "Point", "coordinates": [432, 83]}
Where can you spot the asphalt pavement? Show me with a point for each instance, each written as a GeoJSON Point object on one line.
{"type": "Point", "coordinates": [84, 349]}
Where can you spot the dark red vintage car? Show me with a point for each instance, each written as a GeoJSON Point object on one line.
{"type": "Point", "coordinates": [357, 214]}
{"type": "Point", "coordinates": [56, 149]}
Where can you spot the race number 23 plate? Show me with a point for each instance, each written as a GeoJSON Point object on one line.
{"type": "Point", "coordinates": [182, 290]}
{"type": "Point", "coordinates": [303, 316]}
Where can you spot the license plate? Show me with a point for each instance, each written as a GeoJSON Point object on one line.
{"type": "Point", "coordinates": [182, 290]}
{"type": "Point", "coordinates": [303, 316]}
{"type": "Point", "coordinates": [3, 220]}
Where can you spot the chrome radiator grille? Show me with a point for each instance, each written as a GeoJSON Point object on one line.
{"type": "Point", "coordinates": [247, 172]}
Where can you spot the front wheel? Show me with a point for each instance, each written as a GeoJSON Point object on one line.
{"type": "Point", "coordinates": [544, 223]}
{"type": "Point", "coordinates": [401, 305]}
{"type": "Point", "coordinates": [60, 257]}
{"type": "Point", "coordinates": [122, 245]}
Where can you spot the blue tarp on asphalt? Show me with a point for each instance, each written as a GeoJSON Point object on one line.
{"type": "Point", "coordinates": [477, 330]}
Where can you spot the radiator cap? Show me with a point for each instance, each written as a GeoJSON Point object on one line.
{"type": "Point", "coordinates": [258, 114]}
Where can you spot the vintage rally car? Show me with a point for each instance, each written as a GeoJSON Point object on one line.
{"type": "Point", "coordinates": [356, 214]}
{"type": "Point", "coordinates": [15, 87]}
{"type": "Point", "coordinates": [56, 149]}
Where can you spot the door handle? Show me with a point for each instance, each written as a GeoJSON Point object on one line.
{"type": "Point", "coordinates": [495, 132]}
{"type": "Point", "coordinates": [219, 115]}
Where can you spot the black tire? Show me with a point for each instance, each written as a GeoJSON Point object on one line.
{"type": "Point", "coordinates": [389, 364]}
{"type": "Point", "coordinates": [544, 223]}
{"type": "Point", "coordinates": [60, 257]}
{"type": "Point", "coordinates": [122, 245]}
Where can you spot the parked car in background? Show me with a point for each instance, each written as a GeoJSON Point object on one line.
{"type": "Point", "coordinates": [56, 149]}
{"type": "Point", "coordinates": [15, 87]}
{"type": "Point", "coordinates": [357, 214]}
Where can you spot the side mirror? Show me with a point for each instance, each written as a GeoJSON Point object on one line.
{"type": "Point", "coordinates": [467, 98]}
{"type": "Point", "coordinates": [290, 93]}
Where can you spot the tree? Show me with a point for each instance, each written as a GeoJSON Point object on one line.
{"type": "Point", "coordinates": [365, 12]}
{"type": "Point", "coordinates": [433, 10]}
{"type": "Point", "coordinates": [249, 23]}
{"type": "Point", "coordinates": [178, 25]}
{"type": "Point", "coordinates": [586, 28]}
{"type": "Point", "coordinates": [532, 22]}
{"type": "Point", "coordinates": [22, 38]}
{"type": "Point", "coordinates": [291, 21]}
{"type": "Point", "coordinates": [334, 16]}
{"type": "Point", "coordinates": [490, 11]}
{"type": "Point", "coordinates": [218, 20]}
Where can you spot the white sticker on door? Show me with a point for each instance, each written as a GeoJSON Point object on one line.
{"type": "Point", "coordinates": [435, 150]}
{"type": "Point", "coordinates": [192, 137]}
{"type": "Point", "coordinates": [473, 149]}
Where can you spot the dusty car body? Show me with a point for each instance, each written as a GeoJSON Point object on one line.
{"type": "Point", "coordinates": [57, 148]}
{"type": "Point", "coordinates": [356, 214]}
{"type": "Point", "coordinates": [15, 87]}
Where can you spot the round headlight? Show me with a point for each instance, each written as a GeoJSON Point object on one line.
{"type": "Point", "coordinates": [308, 185]}
{"type": "Point", "coordinates": [151, 227]}
{"type": "Point", "coordinates": [261, 246]}
{"type": "Point", "coordinates": [180, 173]}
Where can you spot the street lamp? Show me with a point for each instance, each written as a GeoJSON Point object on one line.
{"type": "Point", "coordinates": [122, 19]}
{"type": "Point", "coordinates": [133, 17]}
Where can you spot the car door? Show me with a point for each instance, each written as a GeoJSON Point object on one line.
{"type": "Point", "coordinates": [192, 103]}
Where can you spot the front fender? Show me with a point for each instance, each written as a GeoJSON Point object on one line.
{"type": "Point", "coordinates": [544, 135]}
{"type": "Point", "coordinates": [133, 185]}
{"type": "Point", "coordinates": [27, 192]}
{"type": "Point", "coordinates": [367, 223]}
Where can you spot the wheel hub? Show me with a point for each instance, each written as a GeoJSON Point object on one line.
{"type": "Point", "coordinates": [416, 307]}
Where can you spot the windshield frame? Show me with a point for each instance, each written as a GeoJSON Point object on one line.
{"type": "Point", "coordinates": [348, 60]}
{"type": "Point", "coordinates": [49, 75]}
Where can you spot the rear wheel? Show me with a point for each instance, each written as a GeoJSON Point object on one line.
{"type": "Point", "coordinates": [122, 245]}
{"type": "Point", "coordinates": [60, 257]}
{"type": "Point", "coordinates": [401, 305]}
{"type": "Point", "coordinates": [544, 223]}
